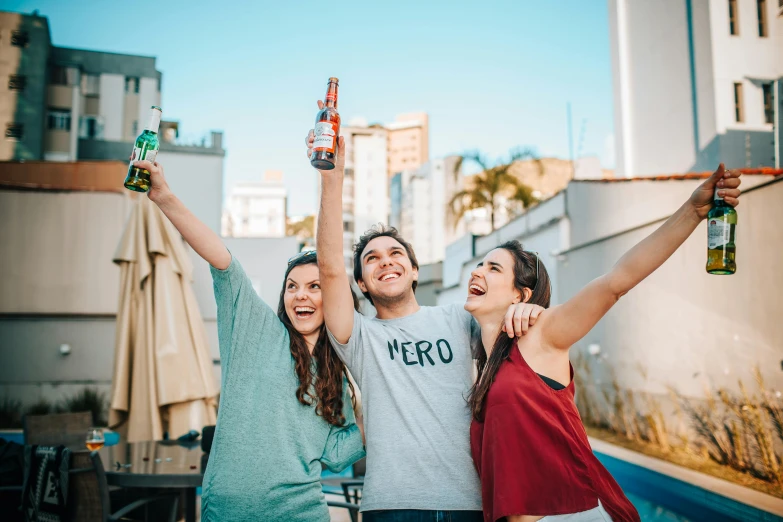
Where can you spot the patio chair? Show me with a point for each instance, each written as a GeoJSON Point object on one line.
{"type": "Point", "coordinates": [56, 428]}
{"type": "Point", "coordinates": [353, 509]}
{"type": "Point", "coordinates": [360, 467]}
{"type": "Point", "coordinates": [207, 435]}
{"type": "Point", "coordinates": [351, 488]}
{"type": "Point", "coordinates": [88, 493]}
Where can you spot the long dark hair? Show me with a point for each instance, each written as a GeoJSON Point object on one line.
{"type": "Point", "coordinates": [529, 272]}
{"type": "Point", "coordinates": [324, 387]}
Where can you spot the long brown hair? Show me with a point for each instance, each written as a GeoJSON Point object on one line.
{"type": "Point", "coordinates": [529, 272]}
{"type": "Point", "coordinates": [324, 387]}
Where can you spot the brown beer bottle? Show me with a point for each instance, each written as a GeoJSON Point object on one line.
{"type": "Point", "coordinates": [327, 130]}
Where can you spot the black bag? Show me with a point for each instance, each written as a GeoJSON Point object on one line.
{"type": "Point", "coordinates": [45, 490]}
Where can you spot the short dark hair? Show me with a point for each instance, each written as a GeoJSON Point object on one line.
{"type": "Point", "coordinates": [379, 230]}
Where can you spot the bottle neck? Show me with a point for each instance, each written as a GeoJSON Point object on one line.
{"type": "Point", "coordinates": [154, 121]}
{"type": "Point", "coordinates": [331, 96]}
{"type": "Point", "coordinates": [717, 200]}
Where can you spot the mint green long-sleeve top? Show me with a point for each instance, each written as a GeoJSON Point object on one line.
{"type": "Point", "coordinates": [265, 461]}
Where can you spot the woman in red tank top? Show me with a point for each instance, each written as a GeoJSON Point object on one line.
{"type": "Point", "coordinates": [527, 439]}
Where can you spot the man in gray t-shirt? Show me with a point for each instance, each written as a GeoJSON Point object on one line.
{"type": "Point", "coordinates": [414, 373]}
{"type": "Point", "coordinates": [413, 365]}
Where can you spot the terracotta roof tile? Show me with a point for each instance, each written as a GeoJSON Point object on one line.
{"type": "Point", "coordinates": [764, 171]}
{"type": "Point", "coordinates": [92, 176]}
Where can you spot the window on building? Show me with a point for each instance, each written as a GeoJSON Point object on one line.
{"type": "Point", "coordinates": [761, 9]}
{"type": "Point", "coordinates": [739, 115]}
{"type": "Point", "coordinates": [135, 129]}
{"type": "Point", "coordinates": [63, 75]}
{"type": "Point", "coordinates": [733, 18]}
{"type": "Point", "coordinates": [17, 82]}
{"type": "Point", "coordinates": [91, 85]}
{"type": "Point", "coordinates": [20, 38]}
{"type": "Point", "coordinates": [14, 131]}
{"type": "Point", "coordinates": [132, 84]}
{"type": "Point", "coordinates": [59, 119]}
{"type": "Point", "coordinates": [769, 111]}
{"type": "Point", "coordinates": [89, 127]}
{"type": "Point", "coordinates": [57, 76]}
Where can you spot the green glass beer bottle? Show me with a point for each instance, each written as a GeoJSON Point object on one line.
{"type": "Point", "coordinates": [146, 148]}
{"type": "Point", "coordinates": [721, 225]}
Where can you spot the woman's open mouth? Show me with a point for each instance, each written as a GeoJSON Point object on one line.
{"type": "Point", "coordinates": [304, 312]}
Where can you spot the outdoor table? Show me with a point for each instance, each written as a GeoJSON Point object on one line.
{"type": "Point", "coordinates": [157, 465]}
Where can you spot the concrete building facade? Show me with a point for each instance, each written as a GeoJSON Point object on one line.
{"type": "Point", "coordinates": [696, 83]}
{"type": "Point", "coordinates": [257, 209]}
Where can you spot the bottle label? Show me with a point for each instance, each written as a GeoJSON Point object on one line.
{"type": "Point", "coordinates": [144, 153]}
{"type": "Point", "coordinates": [718, 233]}
{"type": "Point", "coordinates": [325, 136]}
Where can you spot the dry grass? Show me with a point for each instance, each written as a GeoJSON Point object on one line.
{"type": "Point", "coordinates": [585, 394]}
{"type": "Point", "coordinates": [686, 459]}
{"type": "Point", "coordinates": [771, 403]}
{"type": "Point", "coordinates": [728, 435]}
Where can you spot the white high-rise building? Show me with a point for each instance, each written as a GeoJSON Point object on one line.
{"type": "Point", "coordinates": [366, 185]}
{"type": "Point", "coordinates": [420, 207]}
{"type": "Point", "coordinates": [257, 209]}
{"type": "Point", "coordinates": [697, 82]}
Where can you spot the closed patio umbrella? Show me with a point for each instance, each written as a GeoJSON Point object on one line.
{"type": "Point", "coordinates": [163, 378]}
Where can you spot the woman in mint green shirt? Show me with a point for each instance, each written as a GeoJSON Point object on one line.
{"type": "Point", "coordinates": [286, 405]}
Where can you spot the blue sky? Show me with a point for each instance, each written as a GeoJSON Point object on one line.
{"type": "Point", "coordinates": [491, 75]}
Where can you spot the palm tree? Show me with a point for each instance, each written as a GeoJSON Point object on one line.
{"type": "Point", "coordinates": [303, 229]}
{"type": "Point", "coordinates": [492, 182]}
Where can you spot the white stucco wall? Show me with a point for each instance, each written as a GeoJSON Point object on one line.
{"type": "Point", "coordinates": [60, 286]}
{"type": "Point", "coordinates": [371, 185]}
{"type": "Point", "coordinates": [197, 179]}
{"type": "Point", "coordinates": [685, 327]}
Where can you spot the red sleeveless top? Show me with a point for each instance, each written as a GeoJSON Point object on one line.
{"type": "Point", "coordinates": [532, 451]}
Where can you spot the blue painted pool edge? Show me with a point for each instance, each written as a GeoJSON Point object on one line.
{"type": "Point", "coordinates": [682, 497]}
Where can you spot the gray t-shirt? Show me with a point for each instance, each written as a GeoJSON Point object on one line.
{"type": "Point", "coordinates": [415, 374]}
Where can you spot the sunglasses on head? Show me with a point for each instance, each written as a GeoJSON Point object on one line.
{"type": "Point", "coordinates": [535, 285]}
{"type": "Point", "coordinates": [301, 255]}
